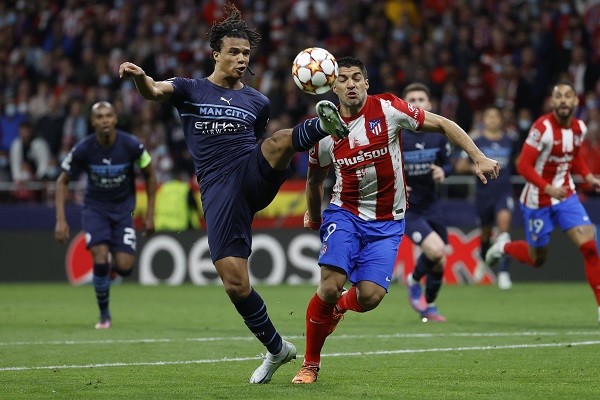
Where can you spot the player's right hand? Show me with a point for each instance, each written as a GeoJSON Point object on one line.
{"type": "Point", "coordinates": [130, 70]}
{"type": "Point", "coordinates": [558, 193]}
{"type": "Point", "coordinates": [310, 224]}
{"type": "Point", "coordinates": [61, 232]}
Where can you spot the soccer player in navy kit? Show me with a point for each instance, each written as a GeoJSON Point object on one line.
{"type": "Point", "coordinates": [494, 201]}
{"type": "Point", "coordinates": [239, 174]}
{"type": "Point", "coordinates": [108, 157]}
{"type": "Point", "coordinates": [426, 162]}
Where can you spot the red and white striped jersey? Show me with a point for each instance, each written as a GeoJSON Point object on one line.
{"type": "Point", "coordinates": [557, 147]}
{"type": "Point", "coordinates": [368, 164]}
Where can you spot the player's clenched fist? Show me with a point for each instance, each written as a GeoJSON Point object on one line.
{"type": "Point", "coordinates": [130, 70]}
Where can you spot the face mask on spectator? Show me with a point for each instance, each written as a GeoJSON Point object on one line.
{"type": "Point", "coordinates": [52, 172]}
{"type": "Point", "coordinates": [524, 124]}
{"type": "Point", "coordinates": [22, 108]}
{"type": "Point", "coordinates": [10, 110]}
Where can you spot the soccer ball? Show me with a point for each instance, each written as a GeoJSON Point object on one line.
{"type": "Point", "coordinates": [315, 70]}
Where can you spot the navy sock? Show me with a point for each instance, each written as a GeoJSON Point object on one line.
{"type": "Point", "coordinates": [254, 311]}
{"type": "Point", "coordinates": [504, 264]}
{"type": "Point", "coordinates": [423, 266]}
{"type": "Point", "coordinates": [433, 285]}
{"type": "Point", "coordinates": [101, 282]}
{"type": "Point", "coordinates": [307, 134]}
{"type": "Point", "coordinates": [485, 246]}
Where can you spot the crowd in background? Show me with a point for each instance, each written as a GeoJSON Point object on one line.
{"type": "Point", "coordinates": [57, 58]}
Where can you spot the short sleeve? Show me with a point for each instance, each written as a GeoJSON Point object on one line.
{"type": "Point", "coordinates": [320, 156]}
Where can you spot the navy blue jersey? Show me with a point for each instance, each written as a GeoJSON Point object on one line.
{"type": "Point", "coordinates": [110, 171]}
{"type": "Point", "coordinates": [502, 150]}
{"type": "Point", "coordinates": [220, 125]}
{"type": "Point", "coordinates": [421, 150]}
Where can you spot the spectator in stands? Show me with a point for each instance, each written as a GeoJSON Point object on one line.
{"type": "Point", "coordinates": [475, 90]}
{"type": "Point", "coordinates": [50, 126]}
{"type": "Point", "coordinates": [75, 125]}
{"type": "Point", "coordinates": [29, 155]}
{"type": "Point", "coordinates": [9, 125]}
{"type": "Point", "coordinates": [69, 49]}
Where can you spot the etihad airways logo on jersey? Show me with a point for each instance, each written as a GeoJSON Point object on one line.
{"type": "Point", "coordinates": [216, 127]}
{"type": "Point", "coordinates": [362, 156]}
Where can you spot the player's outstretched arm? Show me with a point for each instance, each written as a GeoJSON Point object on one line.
{"type": "Point", "coordinates": [314, 197]}
{"type": "Point", "coordinates": [483, 165]}
{"type": "Point", "coordinates": [148, 87]}
{"type": "Point", "coordinates": [61, 229]}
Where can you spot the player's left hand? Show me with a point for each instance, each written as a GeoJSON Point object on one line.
{"type": "Point", "coordinates": [595, 184]}
{"type": "Point", "coordinates": [487, 166]}
{"type": "Point", "coordinates": [437, 173]}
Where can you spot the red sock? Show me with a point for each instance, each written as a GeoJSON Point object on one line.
{"type": "Point", "coordinates": [349, 301]}
{"type": "Point", "coordinates": [591, 260]}
{"type": "Point", "coordinates": [318, 319]}
{"type": "Point", "coordinates": [519, 251]}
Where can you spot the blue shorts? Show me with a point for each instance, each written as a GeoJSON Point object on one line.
{"type": "Point", "coordinates": [110, 225]}
{"type": "Point", "coordinates": [539, 223]}
{"type": "Point", "coordinates": [365, 250]}
{"type": "Point", "coordinates": [420, 224]}
{"type": "Point", "coordinates": [231, 200]}
{"type": "Point", "coordinates": [488, 208]}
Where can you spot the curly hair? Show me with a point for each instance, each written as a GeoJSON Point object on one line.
{"type": "Point", "coordinates": [232, 26]}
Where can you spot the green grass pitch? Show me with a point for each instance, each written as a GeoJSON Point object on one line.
{"type": "Point", "coordinates": [536, 341]}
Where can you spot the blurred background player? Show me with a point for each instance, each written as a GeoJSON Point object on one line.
{"type": "Point", "coordinates": [494, 201]}
{"type": "Point", "coordinates": [224, 121]}
{"type": "Point", "coordinates": [176, 208]}
{"type": "Point", "coordinates": [549, 155]}
{"type": "Point", "coordinates": [426, 162]}
{"type": "Point", "coordinates": [364, 224]}
{"type": "Point", "coordinates": [108, 159]}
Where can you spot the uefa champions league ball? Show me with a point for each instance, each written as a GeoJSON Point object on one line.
{"type": "Point", "coordinates": [315, 70]}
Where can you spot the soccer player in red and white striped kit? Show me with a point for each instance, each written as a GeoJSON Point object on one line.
{"type": "Point", "coordinates": [364, 223]}
{"type": "Point", "coordinates": [549, 155]}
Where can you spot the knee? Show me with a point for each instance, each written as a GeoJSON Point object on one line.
{"type": "Point", "coordinates": [236, 293]}
{"type": "Point", "coordinates": [123, 265]}
{"type": "Point", "coordinates": [539, 261]}
{"type": "Point", "coordinates": [371, 301]}
{"type": "Point", "coordinates": [437, 255]}
{"type": "Point", "coordinates": [329, 292]}
{"type": "Point", "coordinates": [281, 140]}
{"type": "Point", "coordinates": [236, 290]}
